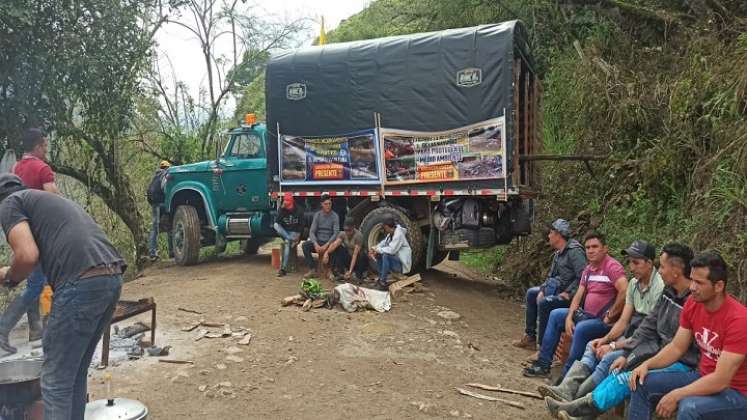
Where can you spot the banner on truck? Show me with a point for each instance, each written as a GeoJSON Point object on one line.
{"type": "Point", "coordinates": [473, 152]}
{"type": "Point", "coordinates": [345, 159]}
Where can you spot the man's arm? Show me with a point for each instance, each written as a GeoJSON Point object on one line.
{"type": "Point", "coordinates": [51, 187]}
{"type": "Point", "coordinates": [333, 245]}
{"type": "Point", "coordinates": [621, 285]}
{"type": "Point", "coordinates": [578, 262]}
{"type": "Point", "coordinates": [575, 303]}
{"type": "Point", "coordinates": [25, 253]}
{"type": "Point", "coordinates": [619, 328]}
{"type": "Point", "coordinates": [354, 259]}
{"type": "Point", "coordinates": [312, 229]}
{"type": "Point", "coordinates": [669, 354]}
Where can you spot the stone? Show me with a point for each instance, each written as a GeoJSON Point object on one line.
{"type": "Point", "coordinates": [454, 413]}
{"type": "Point", "coordinates": [221, 366]}
{"type": "Point", "coordinates": [233, 350]}
{"type": "Point", "coordinates": [451, 334]}
{"type": "Point", "coordinates": [449, 315]}
{"type": "Point", "coordinates": [235, 359]}
{"type": "Point", "coordinates": [225, 384]}
{"type": "Point", "coordinates": [202, 388]}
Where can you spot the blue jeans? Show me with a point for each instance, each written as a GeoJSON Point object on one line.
{"type": "Point", "coordinates": [600, 368]}
{"type": "Point", "coordinates": [541, 310]}
{"type": "Point", "coordinates": [156, 215]}
{"type": "Point", "coordinates": [81, 309]}
{"type": "Point", "coordinates": [34, 286]}
{"type": "Point", "coordinates": [584, 332]}
{"type": "Point", "coordinates": [614, 389]}
{"type": "Point", "coordinates": [288, 238]}
{"type": "Point", "coordinates": [308, 250]}
{"type": "Point", "coordinates": [729, 404]}
{"type": "Point", "coordinates": [388, 264]}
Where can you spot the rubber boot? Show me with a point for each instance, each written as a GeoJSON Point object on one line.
{"type": "Point", "coordinates": [36, 330]}
{"type": "Point", "coordinates": [583, 407]}
{"type": "Point", "coordinates": [9, 319]}
{"type": "Point", "coordinates": [586, 387]}
{"type": "Point", "coordinates": [566, 390]}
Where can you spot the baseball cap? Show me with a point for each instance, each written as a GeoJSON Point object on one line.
{"type": "Point", "coordinates": [164, 164]}
{"type": "Point", "coordinates": [9, 183]}
{"type": "Point", "coordinates": [349, 223]}
{"type": "Point", "coordinates": [562, 227]}
{"type": "Point", "coordinates": [640, 249]}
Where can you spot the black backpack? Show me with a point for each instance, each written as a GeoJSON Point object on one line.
{"type": "Point", "coordinates": [155, 193]}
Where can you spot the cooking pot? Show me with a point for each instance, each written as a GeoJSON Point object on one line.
{"type": "Point", "coordinates": [20, 381]}
{"type": "Point", "coordinates": [116, 409]}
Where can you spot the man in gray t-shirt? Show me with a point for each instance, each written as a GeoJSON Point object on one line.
{"type": "Point", "coordinates": [324, 228]}
{"type": "Point", "coordinates": [85, 272]}
{"type": "Point", "coordinates": [346, 253]}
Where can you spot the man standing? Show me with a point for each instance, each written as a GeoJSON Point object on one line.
{"type": "Point", "coordinates": [324, 228]}
{"type": "Point", "coordinates": [35, 173]}
{"type": "Point", "coordinates": [156, 198]}
{"type": "Point", "coordinates": [655, 331]}
{"type": "Point", "coordinates": [289, 225]}
{"type": "Point", "coordinates": [393, 254]}
{"type": "Point", "coordinates": [595, 307]}
{"type": "Point", "coordinates": [717, 323]}
{"type": "Point", "coordinates": [568, 262]}
{"type": "Point", "coordinates": [346, 252]}
{"type": "Point", "coordinates": [85, 272]}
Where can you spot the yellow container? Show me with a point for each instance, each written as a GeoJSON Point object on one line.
{"type": "Point", "coordinates": [45, 301]}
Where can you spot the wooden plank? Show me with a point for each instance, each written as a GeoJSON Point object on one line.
{"type": "Point", "coordinates": [506, 390]}
{"type": "Point", "coordinates": [396, 288]}
{"type": "Point", "coordinates": [177, 362]}
{"type": "Point", "coordinates": [286, 301]}
{"type": "Point", "coordinates": [488, 398]}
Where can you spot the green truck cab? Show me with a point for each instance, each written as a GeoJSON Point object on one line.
{"type": "Point", "coordinates": [212, 202]}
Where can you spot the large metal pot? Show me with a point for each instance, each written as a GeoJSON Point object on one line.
{"type": "Point", "coordinates": [20, 381]}
{"type": "Point", "coordinates": [116, 409]}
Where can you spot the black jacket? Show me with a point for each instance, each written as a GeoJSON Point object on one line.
{"type": "Point", "coordinates": [658, 329]}
{"type": "Point", "coordinates": [567, 266]}
{"type": "Point", "coordinates": [290, 220]}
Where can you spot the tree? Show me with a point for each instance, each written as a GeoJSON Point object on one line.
{"type": "Point", "coordinates": [75, 68]}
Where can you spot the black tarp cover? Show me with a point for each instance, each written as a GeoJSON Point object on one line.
{"type": "Point", "coordinates": [410, 80]}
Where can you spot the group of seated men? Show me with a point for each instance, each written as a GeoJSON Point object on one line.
{"type": "Point", "coordinates": [671, 340]}
{"type": "Point", "coordinates": [341, 250]}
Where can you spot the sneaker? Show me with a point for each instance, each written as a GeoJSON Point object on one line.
{"type": "Point", "coordinates": [6, 347]}
{"type": "Point", "coordinates": [536, 371]}
{"type": "Point", "coordinates": [526, 342]}
{"type": "Point", "coordinates": [381, 286]}
{"type": "Point", "coordinates": [153, 258]}
{"type": "Point", "coordinates": [281, 273]}
{"type": "Point", "coordinates": [358, 280]}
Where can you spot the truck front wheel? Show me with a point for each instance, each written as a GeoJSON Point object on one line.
{"type": "Point", "coordinates": [372, 229]}
{"type": "Point", "coordinates": [186, 231]}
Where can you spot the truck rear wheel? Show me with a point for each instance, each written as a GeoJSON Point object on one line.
{"type": "Point", "coordinates": [250, 246]}
{"type": "Point", "coordinates": [186, 231]}
{"type": "Point", "coordinates": [372, 229]}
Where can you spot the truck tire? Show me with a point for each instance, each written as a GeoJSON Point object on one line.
{"type": "Point", "coordinates": [186, 231]}
{"type": "Point", "coordinates": [372, 229]}
{"type": "Point", "coordinates": [250, 246]}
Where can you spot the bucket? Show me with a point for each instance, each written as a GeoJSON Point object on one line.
{"type": "Point", "coordinates": [276, 258]}
{"type": "Point", "coordinates": [45, 301]}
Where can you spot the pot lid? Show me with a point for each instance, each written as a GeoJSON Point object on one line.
{"type": "Point", "coordinates": [116, 409]}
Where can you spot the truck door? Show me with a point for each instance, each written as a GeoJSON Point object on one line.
{"type": "Point", "coordinates": [244, 176]}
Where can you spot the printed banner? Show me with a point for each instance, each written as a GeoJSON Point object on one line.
{"type": "Point", "coordinates": [467, 153]}
{"type": "Point", "coordinates": [349, 158]}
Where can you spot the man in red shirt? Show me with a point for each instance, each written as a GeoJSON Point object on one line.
{"type": "Point", "coordinates": [32, 168]}
{"type": "Point", "coordinates": [718, 324]}
{"type": "Point", "coordinates": [36, 174]}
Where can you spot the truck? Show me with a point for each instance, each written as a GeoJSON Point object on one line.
{"type": "Point", "coordinates": [433, 129]}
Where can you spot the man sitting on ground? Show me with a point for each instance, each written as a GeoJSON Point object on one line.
{"type": "Point", "coordinates": [596, 305]}
{"type": "Point", "coordinates": [568, 262]}
{"type": "Point", "coordinates": [346, 253]}
{"type": "Point", "coordinates": [289, 225]}
{"type": "Point", "coordinates": [717, 323]}
{"type": "Point", "coordinates": [324, 228]}
{"type": "Point", "coordinates": [393, 254]}
{"type": "Point", "coordinates": [655, 331]}
{"type": "Point", "coordinates": [643, 292]}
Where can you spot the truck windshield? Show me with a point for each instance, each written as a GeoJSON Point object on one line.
{"type": "Point", "coordinates": [246, 146]}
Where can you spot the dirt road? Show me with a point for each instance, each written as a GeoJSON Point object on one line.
{"type": "Point", "coordinates": [323, 364]}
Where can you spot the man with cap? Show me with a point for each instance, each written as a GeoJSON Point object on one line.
{"type": "Point", "coordinates": [393, 254]}
{"type": "Point", "coordinates": [34, 173]}
{"type": "Point", "coordinates": [85, 271]}
{"type": "Point", "coordinates": [642, 294]}
{"type": "Point", "coordinates": [289, 225]}
{"type": "Point", "coordinates": [345, 251]}
{"type": "Point", "coordinates": [156, 198]}
{"type": "Point", "coordinates": [568, 262]}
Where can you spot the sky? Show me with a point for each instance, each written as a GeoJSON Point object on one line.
{"type": "Point", "coordinates": [183, 50]}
